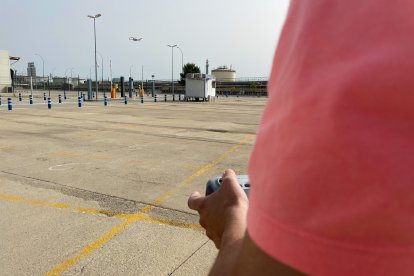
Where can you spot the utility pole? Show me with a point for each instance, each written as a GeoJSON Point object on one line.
{"type": "Point", "coordinates": [172, 67]}
{"type": "Point", "coordinates": [96, 69]}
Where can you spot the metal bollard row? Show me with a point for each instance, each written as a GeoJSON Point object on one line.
{"type": "Point", "coordinates": [81, 100]}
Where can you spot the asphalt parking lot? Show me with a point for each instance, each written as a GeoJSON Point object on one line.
{"type": "Point", "coordinates": [102, 190]}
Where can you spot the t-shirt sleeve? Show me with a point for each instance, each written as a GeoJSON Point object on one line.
{"type": "Point", "coordinates": [332, 168]}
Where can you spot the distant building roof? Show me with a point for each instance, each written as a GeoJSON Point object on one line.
{"type": "Point", "coordinates": [223, 69]}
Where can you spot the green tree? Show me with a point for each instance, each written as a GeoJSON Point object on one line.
{"type": "Point", "coordinates": [188, 68]}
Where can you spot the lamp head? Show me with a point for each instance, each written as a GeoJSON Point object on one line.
{"type": "Point", "coordinates": [95, 16]}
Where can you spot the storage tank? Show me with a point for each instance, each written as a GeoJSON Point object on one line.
{"type": "Point", "coordinates": [5, 79]}
{"type": "Point", "coordinates": [223, 73]}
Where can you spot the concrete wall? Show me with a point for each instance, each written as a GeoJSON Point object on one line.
{"type": "Point", "coordinates": [5, 79]}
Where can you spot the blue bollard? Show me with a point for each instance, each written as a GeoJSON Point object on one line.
{"type": "Point", "coordinates": [173, 97]}
{"type": "Point", "coordinates": [155, 98]}
{"type": "Point", "coordinates": [30, 99]}
{"type": "Point", "coordinates": [142, 100]}
{"type": "Point", "coordinates": [44, 96]}
{"type": "Point", "coordinates": [60, 98]}
{"type": "Point", "coordinates": [0, 100]}
{"type": "Point", "coordinates": [126, 100]}
{"type": "Point", "coordinates": [9, 104]}
{"type": "Point", "coordinates": [79, 102]}
{"type": "Point", "coordinates": [105, 100]}
{"type": "Point", "coordinates": [20, 97]}
{"type": "Point", "coordinates": [165, 98]}
{"type": "Point", "coordinates": [49, 103]}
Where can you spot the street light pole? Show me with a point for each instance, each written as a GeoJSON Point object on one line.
{"type": "Point", "coordinates": [65, 80]}
{"type": "Point", "coordinates": [96, 69]}
{"type": "Point", "coordinates": [103, 90]}
{"type": "Point", "coordinates": [172, 67]}
{"type": "Point", "coordinates": [110, 72]}
{"type": "Point", "coordinates": [153, 85]}
{"type": "Point", "coordinates": [71, 78]}
{"type": "Point", "coordinates": [43, 61]}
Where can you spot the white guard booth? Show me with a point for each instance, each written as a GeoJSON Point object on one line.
{"type": "Point", "coordinates": [5, 78]}
{"type": "Point", "coordinates": [200, 86]}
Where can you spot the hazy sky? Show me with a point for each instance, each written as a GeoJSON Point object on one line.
{"type": "Point", "coordinates": [241, 33]}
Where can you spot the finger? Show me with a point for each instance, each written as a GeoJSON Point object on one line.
{"type": "Point", "coordinates": [231, 184]}
{"type": "Point", "coordinates": [229, 178]}
{"type": "Point", "coordinates": [195, 200]}
{"type": "Point", "coordinates": [229, 173]}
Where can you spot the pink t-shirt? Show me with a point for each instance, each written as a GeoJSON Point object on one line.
{"type": "Point", "coordinates": [332, 170]}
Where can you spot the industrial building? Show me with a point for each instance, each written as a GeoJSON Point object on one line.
{"type": "Point", "coordinates": [31, 70]}
{"type": "Point", "coordinates": [67, 82]}
{"type": "Point", "coordinates": [223, 73]}
{"type": "Point", "coordinates": [5, 77]}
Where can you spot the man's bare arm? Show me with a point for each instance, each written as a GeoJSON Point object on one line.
{"type": "Point", "coordinates": [252, 260]}
{"type": "Point", "coordinates": [223, 214]}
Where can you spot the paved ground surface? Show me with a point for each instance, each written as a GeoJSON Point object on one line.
{"type": "Point", "coordinates": [103, 190]}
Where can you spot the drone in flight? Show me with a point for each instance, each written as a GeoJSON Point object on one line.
{"type": "Point", "coordinates": [135, 39]}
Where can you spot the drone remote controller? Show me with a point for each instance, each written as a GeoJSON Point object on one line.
{"type": "Point", "coordinates": [215, 183]}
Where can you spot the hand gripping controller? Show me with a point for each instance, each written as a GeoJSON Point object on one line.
{"type": "Point", "coordinates": [215, 183]}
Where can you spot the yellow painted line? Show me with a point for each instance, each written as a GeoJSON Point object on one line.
{"type": "Point", "coordinates": [196, 227]}
{"type": "Point", "coordinates": [161, 199]}
{"type": "Point", "coordinates": [7, 148]}
{"type": "Point", "coordinates": [44, 203]}
{"type": "Point", "coordinates": [98, 243]}
{"type": "Point", "coordinates": [84, 252]}
{"type": "Point", "coordinates": [138, 216]}
{"type": "Point", "coordinates": [57, 270]}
